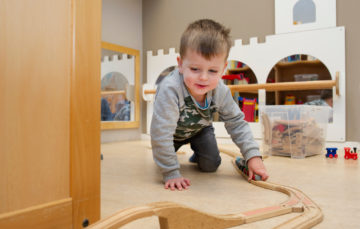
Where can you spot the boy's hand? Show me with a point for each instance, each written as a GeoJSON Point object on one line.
{"type": "Point", "coordinates": [178, 183]}
{"type": "Point", "coordinates": [256, 166]}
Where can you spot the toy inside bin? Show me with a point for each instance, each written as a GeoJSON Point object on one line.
{"type": "Point", "coordinates": [296, 131]}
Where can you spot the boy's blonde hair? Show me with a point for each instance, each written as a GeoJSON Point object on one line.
{"type": "Point", "coordinates": [206, 37]}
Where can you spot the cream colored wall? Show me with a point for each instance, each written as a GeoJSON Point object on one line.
{"type": "Point", "coordinates": [164, 21]}
{"type": "Point", "coordinates": [122, 25]}
{"type": "Point", "coordinates": [348, 16]}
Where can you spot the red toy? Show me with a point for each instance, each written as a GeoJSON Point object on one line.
{"type": "Point", "coordinates": [249, 109]}
{"type": "Point", "coordinates": [350, 154]}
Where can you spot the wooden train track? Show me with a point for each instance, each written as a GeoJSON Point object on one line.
{"type": "Point", "coordinates": [175, 216]}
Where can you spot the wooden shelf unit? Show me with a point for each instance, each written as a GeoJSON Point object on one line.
{"type": "Point", "coordinates": [284, 72]}
{"type": "Point", "coordinates": [252, 80]}
{"type": "Point", "coordinates": [248, 72]}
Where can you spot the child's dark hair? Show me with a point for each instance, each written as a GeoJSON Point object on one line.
{"type": "Point", "coordinates": [206, 37]}
{"type": "Point", "coordinates": [326, 94]}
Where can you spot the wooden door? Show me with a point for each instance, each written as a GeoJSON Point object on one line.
{"type": "Point", "coordinates": [49, 113]}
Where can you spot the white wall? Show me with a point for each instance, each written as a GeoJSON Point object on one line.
{"type": "Point", "coordinates": [122, 25]}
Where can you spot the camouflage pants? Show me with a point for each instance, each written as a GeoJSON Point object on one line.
{"type": "Point", "coordinates": [205, 149]}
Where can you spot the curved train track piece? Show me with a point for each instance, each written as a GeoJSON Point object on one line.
{"type": "Point", "coordinates": [175, 216]}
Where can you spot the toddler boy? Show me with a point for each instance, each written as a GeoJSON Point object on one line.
{"type": "Point", "coordinates": [186, 100]}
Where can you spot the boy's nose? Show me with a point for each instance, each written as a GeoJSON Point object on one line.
{"type": "Point", "coordinates": [203, 76]}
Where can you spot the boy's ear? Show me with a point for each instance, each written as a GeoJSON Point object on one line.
{"type": "Point", "coordinates": [179, 60]}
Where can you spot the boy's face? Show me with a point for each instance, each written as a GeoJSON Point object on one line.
{"type": "Point", "coordinates": [201, 75]}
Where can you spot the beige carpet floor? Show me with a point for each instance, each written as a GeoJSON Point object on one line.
{"type": "Point", "coordinates": [130, 178]}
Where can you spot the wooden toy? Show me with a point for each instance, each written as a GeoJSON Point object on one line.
{"type": "Point", "coordinates": [331, 153]}
{"type": "Point", "coordinates": [350, 154]}
{"type": "Point", "coordinates": [175, 216]}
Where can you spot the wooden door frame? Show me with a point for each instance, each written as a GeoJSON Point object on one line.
{"type": "Point", "coordinates": [80, 34]}
{"type": "Point", "coordinates": [85, 113]}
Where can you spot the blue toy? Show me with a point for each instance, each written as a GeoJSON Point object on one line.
{"type": "Point", "coordinates": [331, 152]}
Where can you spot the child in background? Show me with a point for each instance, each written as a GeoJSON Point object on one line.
{"type": "Point", "coordinates": [326, 99]}
{"type": "Point", "coordinates": [185, 103]}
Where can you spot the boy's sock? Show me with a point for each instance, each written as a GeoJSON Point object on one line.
{"type": "Point", "coordinates": [194, 158]}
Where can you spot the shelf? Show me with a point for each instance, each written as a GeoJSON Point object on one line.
{"type": "Point", "coordinates": [280, 64]}
{"type": "Point", "coordinates": [283, 73]}
{"type": "Point", "coordinates": [243, 69]}
{"type": "Point", "coordinates": [297, 63]}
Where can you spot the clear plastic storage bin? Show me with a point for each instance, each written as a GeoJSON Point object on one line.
{"type": "Point", "coordinates": [294, 130]}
